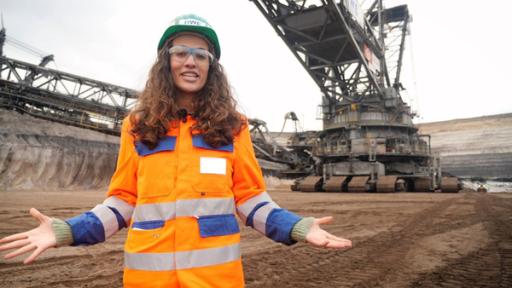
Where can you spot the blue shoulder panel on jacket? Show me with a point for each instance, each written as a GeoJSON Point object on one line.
{"type": "Point", "coordinates": [198, 141]}
{"type": "Point", "coordinates": [86, 229]}
{"type": "Point", "coordinates": [279, 225]}
{"type": "Point", "coordinates": [168, 143]}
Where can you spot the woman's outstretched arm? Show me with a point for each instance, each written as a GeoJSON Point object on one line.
{"type": "Point", "coordinates": [256, 208]}
{"type": "Point", "coordinates": [308, 230]}
{"type": "Point", "coordinates": [90, 227]}
{"type": "Point", "coordinates": [36, 240]}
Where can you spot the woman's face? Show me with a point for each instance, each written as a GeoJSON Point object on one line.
{"type": "Point", "coordinates": [189, 72]}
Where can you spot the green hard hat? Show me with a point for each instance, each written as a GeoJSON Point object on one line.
{"type": "Point", "coordinates": [191, 23]}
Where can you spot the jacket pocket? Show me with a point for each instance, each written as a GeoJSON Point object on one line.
{"type": "Point", "coordinates": [213, 168]}
{"type": "Point", "coordinates": [149, 236]}
{"type": "Point", "coordinates": [156, 168]}
{"type": "Point", "coordinates": [148, 225]}
{"type": "Point", "coordinates": [217, 225]}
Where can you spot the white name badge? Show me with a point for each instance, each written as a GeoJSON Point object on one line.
{"type": "Point", "coordinates": [212, 165]}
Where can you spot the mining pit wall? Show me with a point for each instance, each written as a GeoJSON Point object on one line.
{"type": "Point", "coordinates": [479, 147]}
{"type": "Point", "coordinates": [36, 154]}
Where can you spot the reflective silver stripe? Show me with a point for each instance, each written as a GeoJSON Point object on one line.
{"type": "Point", "coordinates": [158, 211]}
{"type": "Point", "coordinates": [183, 208]}
{"type": "Point", "coordinates": [207, 257]}
{"type": "Point", "coordinates": [260, 217]}
{"type": "Point", "coordinates": [107, 218]}
{"type": "Point", "coordinates": [245, 209]}
{"type": "Point", "coordinates": [203, 207]}
{"type": "Point", "coordinates": [184, 259]}
{"type": "Point", "coordinates": [149, 261]}
{"type": "Point", "coordinates": [125, 209]}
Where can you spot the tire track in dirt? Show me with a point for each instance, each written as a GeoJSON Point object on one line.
{"type": "Point", "coordinates": [102, 280]}
{"type": "Point", "coordinates": [90, 270]}
{"type": "Point", "coordinates": [370, 263]}
{"type": "Point", "coordinates": [480, 267]}
{"type": "Point", "coordinates": [379, 260]}
{"type": "Point", "coordinates": [446, 223]}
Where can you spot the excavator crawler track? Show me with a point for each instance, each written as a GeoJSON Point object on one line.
{"type": "Point", "coordinates": [450, 185]}
{"type": "Point", "coordinates": [358, 184]}
{"type": "Point", "coordinates": [336, 184]}
{"type": "Point", "coordinates": [422, 184]}
{"type": "Point", "coordinates": [386, 184]}
{"type": "Point", "coordinates": [311, 184]}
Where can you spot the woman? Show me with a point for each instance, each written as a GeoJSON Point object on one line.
{"type": "Point", "coordinates": [185, 165]}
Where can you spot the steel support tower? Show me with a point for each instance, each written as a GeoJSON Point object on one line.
{"type": "Point", "coordinates": [368, 142]}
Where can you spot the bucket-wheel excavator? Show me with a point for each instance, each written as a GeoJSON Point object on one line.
{"type": "Point", "coordinates": [368, 142]}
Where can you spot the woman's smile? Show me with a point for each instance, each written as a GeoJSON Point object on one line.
{"type": "Point", "coordinates": [189, 74]}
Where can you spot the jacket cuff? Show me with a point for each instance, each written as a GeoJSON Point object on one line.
{"type": "Point", "coordinates": [62, 232]}
{"type": "Point", "coordinates": [301, 229]}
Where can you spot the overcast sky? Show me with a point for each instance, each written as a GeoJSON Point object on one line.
{"type": "Point", "coordinates": [457, 60]}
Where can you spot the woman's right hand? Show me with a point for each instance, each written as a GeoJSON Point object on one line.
{"type": "Point", "coordinates": [38, 239]}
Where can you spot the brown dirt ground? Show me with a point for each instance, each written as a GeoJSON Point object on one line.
{"type": "Point", "coordinates": [400, 240]}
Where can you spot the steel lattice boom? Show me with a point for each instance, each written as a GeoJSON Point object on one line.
{"type": "Point", "coordinates": [63, 97]}
{"type": "Point", "coordinates": [342, 55]}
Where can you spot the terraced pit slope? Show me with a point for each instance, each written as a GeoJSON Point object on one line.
{"type": "Point", "coordinates": [473, 147]}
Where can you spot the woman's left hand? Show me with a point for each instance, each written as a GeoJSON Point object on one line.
{"type": "Point", "coordinates": [320, 238]}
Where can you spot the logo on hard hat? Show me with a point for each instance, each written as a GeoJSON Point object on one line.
{"type": "Point", "coordinates": [192, 22]}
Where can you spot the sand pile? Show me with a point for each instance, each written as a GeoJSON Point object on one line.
{"type": "Point", "coordinates": [36, 154]}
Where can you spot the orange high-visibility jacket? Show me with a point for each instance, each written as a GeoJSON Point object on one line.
{"type": "Point", "coordinates": [178, 202]}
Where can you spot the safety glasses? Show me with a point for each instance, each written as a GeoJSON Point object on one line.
{"type": "Point", "coordinates": [181, 53]}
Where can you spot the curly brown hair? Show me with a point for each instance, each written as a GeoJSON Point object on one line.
{"type": "Point", "coordinates": [215, 107]}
